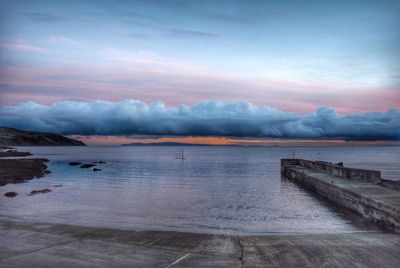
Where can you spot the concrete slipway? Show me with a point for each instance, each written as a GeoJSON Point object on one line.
{"type": "Point", "coordinates": [51, 245]}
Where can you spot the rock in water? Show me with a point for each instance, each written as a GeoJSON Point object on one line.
{"type": "Point", "coordinates": [13, 153]}
{"type": "Point", "coordinates": [39, 191]}
{"type": "Point", "coordinates": [96, 169]}
{"type": "Point", "coordinates": [10, 194]}
{"type": "Point", "coordinates": [87, 165]}
{"type": "Point", "coordinates": [74, 163]}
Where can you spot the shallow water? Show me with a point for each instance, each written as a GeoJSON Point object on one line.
{"type": "Point", "coordinates": [230, 190]}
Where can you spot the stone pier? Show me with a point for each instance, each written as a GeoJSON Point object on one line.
{"type": "Point", "coordinates": [355, 189]}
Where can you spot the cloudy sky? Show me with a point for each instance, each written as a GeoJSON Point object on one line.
{"type": "Point", "coordinates": [286, 62]}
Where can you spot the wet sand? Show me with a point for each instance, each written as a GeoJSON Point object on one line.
{"type": "Point", "coordinates": [57, 245]}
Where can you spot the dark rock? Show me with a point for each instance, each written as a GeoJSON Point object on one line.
{"type": "Point", "coordinates": [10, 194]}
{"type": "Point", "coordinates": [74, 163]}
{"type": "Point", "coordinates": [96, 169]}
{"type": "Point", "coordinates": [339, 164]}
{"type": "Point", "coordinates": [21, 170]}
{"type": "Point", "coordinates": [99, 162]}
{"type": "Point", "coordinates": [40, 191]}
{"type": "Point", "coordinates": [58, 185]}
{"type": "Point", "coordinates": [87, 165]}
{"type": "Point", "coordinates": [13, 153]}
{"type": "Point", "coordinates": [6, 148]}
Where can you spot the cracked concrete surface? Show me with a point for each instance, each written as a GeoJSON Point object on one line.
{"type": "Point", "coordinates": [56, 245]}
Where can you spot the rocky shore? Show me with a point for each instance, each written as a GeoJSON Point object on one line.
{"type": "Point", "coordinates": [20, 170]}
{"type": "Point", "coordinates": [13, 153]}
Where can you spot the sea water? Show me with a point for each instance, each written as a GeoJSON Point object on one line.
{"type": "Point", "coordinates": [216, 189]}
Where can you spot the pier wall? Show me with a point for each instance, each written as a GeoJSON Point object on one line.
{"type": "Point", "coordinates": [364, 175]}
{"type": "Point", "coordinates": [347, 187]}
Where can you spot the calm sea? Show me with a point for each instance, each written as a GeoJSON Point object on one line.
{"type": "Point", "coordinates": [230, 190]}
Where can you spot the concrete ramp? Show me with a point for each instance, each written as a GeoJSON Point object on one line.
{"type": "Point", "coordinates": [55, 245]}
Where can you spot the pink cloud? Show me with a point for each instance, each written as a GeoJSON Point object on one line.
{"type": "Point", "coordinates": [151, 78]}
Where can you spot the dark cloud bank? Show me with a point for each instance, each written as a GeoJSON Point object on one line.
{"type": "Point", "coordinates": [209, 118]}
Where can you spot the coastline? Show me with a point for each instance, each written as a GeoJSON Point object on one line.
{"type": "Point", "coordinates": [46, 245]}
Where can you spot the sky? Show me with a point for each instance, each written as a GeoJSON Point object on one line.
{"type": "Point", "coordinates": [284, 61]}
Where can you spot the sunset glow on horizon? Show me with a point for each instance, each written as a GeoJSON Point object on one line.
{"type": "Point", "coordinates": [121, 140]}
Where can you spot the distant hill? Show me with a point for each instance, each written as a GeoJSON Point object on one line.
{"type": "Point", "coordinates": [15, 137]}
